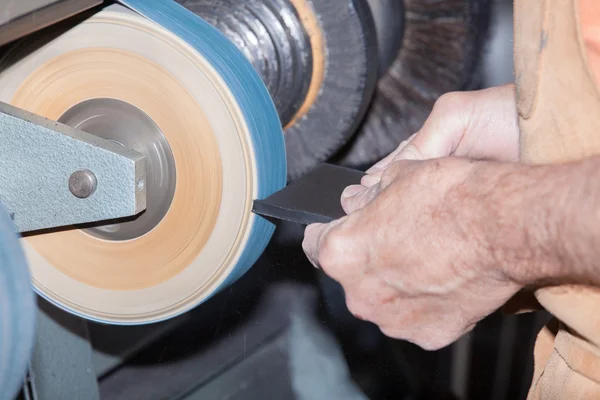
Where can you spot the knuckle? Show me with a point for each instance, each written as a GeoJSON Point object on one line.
{"type": "Point", "coordinates": [305, 245]}
{"type": "Point", "coordinates": [432, 343]}
{"type": "Point", "coordinates": [347, 204]}
{"type": "Point", "coordinates": [365, 198]}
{"type": "Point", "coordinates": [399, 170]}
{"type": "Point", "coordinates": [392, 332]}
{"type": "Point", "coordinates": [334, 247]}
{"type": "Point", "coordinates": [452, 101]}
{"type": "Point", "coordinates": [434, 337]}
{"type": "Point", "coordinates": [410, 152]}
{"type": "Point", "coordinates": [357, 307]}
{"type": "Point", "coordinates": [389, 175]}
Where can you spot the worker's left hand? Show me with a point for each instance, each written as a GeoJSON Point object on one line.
{"type": "Point", "coordinates": [414, 254]}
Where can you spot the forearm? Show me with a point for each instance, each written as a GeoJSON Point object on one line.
{"type": "Point", "coordinates": [545, 221]}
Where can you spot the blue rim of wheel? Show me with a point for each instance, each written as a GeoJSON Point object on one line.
{"type": "Point", "coordinates": [262, 120]}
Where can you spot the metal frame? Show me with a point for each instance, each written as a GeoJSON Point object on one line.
{"type": "Point", "coordinates": [39, 159]}
{"type": "Point", "coordinates": [61, 366]}
{"type": "Point", "coordinates": [27, 16]}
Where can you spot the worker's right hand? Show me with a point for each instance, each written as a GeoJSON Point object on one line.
{"type": "Point", "coordinates": [478, 125]}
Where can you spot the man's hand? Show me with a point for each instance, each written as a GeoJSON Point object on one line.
{"type": "Point", "coordinates": [416, 255]}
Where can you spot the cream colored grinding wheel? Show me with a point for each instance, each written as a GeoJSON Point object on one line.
{"type": "Point", "coordinates": [168, 267]}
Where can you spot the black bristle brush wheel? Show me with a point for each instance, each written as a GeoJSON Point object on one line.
{"type": "Point", "coordinates": [441, 46]}
{"type": "Point", "coordinates": [318, 59]}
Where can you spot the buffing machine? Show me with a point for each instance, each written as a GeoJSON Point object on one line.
{"type": "Point", "coordinates": [135, 136]}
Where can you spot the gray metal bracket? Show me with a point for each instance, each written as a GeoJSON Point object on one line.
{"type": "Point", "coordinates": [61, 365]}
{"type": "Point", "coordinates": [20, 18]}
{"type": "Point", "coordinates": [52, 175]}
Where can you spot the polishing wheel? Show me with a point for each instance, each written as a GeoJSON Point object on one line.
{"type": "Point", "coordinates": [318, 58]}
{"type": "Point", "coordinates": [153, 77]}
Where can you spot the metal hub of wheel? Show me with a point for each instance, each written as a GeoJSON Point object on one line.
{"type": "Point", "coordinates": [129, 126]}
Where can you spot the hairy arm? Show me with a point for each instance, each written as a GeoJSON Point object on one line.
{"type": "Point", "coordinates": [547, 229]}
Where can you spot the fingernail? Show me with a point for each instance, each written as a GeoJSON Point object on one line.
{"type": "Point", "coordinates": [374, 169]}
{"type": "Point", "coordinates": [370, 180]}
{"type": "Point", "coordinates": [352, 190]}
{"type": "Point", "coordinates": [381, 164]}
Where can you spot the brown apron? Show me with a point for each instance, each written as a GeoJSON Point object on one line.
{"type": "Point", "coordinates": [559, 116]}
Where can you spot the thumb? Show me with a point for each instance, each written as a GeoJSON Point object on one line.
{"type": "Point", "coordinates": [439, 136]}
{"type": "Point", "coordinates": [443, 130]}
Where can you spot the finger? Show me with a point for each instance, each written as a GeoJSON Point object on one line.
{"type": "Point", "coordinates": [428, 324]}
{"type": "Point", "coordinates": [359, 200]}
{"type": "Point", "coordinates": [343, 253]}
{"type": "Point", "coordinates": [398, 171]}
{"type": "Point", "coordinates": [348, 194]}
{"type": "Point", "coordinates": [310, 244]}
{"type": "Point", "coordinates": [381, 165]}
{"type": "Point", "coordinates": [400, 319]}
{"type": "Point", "coordinates": [352, 191]}
{"type": "Point", "coordinates": [367, 295]}
{"type": "Point", "coordinates": [371, 179]}
{"type": "Point", "coordinates": [314, 236]}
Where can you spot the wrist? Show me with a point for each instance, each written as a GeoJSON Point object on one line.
{"type": "Point", "coordinates": [575, 220]}
{"type": "Point", "coordinates": [542, 222]}
{"type": "Point", "coordinates": [518, 228]}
